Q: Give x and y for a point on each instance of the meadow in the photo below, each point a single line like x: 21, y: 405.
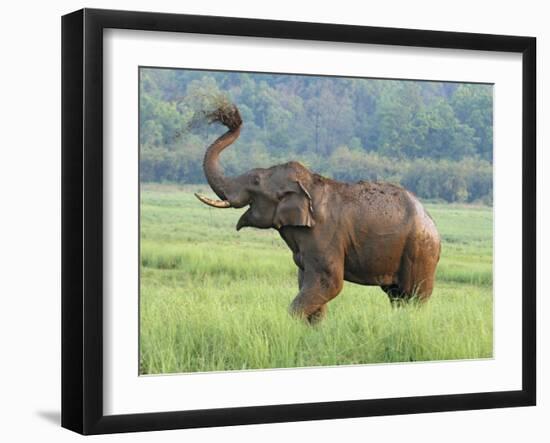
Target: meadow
x: 213, y: 299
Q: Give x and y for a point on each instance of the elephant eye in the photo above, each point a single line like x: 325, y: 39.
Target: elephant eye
x: 256, y: 180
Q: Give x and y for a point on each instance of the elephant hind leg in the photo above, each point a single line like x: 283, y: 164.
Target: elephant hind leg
x: 395, y: 294
x: 416, y: 283
x: 416, y: 279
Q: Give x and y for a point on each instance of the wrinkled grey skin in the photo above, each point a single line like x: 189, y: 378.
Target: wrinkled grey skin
x: 368, y: 233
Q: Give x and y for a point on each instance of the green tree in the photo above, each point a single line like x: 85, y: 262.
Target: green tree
x: 433, y: 137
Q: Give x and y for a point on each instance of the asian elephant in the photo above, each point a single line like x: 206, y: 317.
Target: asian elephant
x: 371, y: 233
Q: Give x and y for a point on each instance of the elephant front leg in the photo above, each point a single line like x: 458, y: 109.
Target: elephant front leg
x: 317, y: 288
x: 300, y: 278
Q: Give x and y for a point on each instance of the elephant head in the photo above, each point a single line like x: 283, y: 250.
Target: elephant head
x: 277, y: 196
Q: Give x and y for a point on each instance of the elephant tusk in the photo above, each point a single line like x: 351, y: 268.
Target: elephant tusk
x: 214, y: 203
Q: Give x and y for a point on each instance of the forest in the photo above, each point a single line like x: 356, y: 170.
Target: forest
x: 434, y: 138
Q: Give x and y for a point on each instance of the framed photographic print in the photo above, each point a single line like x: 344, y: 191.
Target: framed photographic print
x: 270, y: 221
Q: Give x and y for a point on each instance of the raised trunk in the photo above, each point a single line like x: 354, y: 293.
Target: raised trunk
x: 221, y: 185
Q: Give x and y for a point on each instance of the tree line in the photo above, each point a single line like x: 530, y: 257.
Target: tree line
x: 435, y: 138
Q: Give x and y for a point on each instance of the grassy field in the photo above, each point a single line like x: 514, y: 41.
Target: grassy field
x: 213, y: 299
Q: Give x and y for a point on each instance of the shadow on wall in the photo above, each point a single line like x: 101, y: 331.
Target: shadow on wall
x: 54, y: 417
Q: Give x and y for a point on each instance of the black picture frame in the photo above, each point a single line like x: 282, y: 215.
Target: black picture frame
x: 82, y: 218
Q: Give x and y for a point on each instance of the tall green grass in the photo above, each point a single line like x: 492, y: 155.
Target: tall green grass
x: 213, y: 299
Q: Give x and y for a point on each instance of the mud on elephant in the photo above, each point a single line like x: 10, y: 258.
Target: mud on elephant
x: 371, y: 233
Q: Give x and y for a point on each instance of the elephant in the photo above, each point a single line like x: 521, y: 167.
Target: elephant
x: 370, y: 233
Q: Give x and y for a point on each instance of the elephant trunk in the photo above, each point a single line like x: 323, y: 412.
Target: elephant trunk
x: 224, y: 187
x: 220, y: 184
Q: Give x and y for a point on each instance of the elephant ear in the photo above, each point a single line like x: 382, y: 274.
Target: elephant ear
x: 295, y: 208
